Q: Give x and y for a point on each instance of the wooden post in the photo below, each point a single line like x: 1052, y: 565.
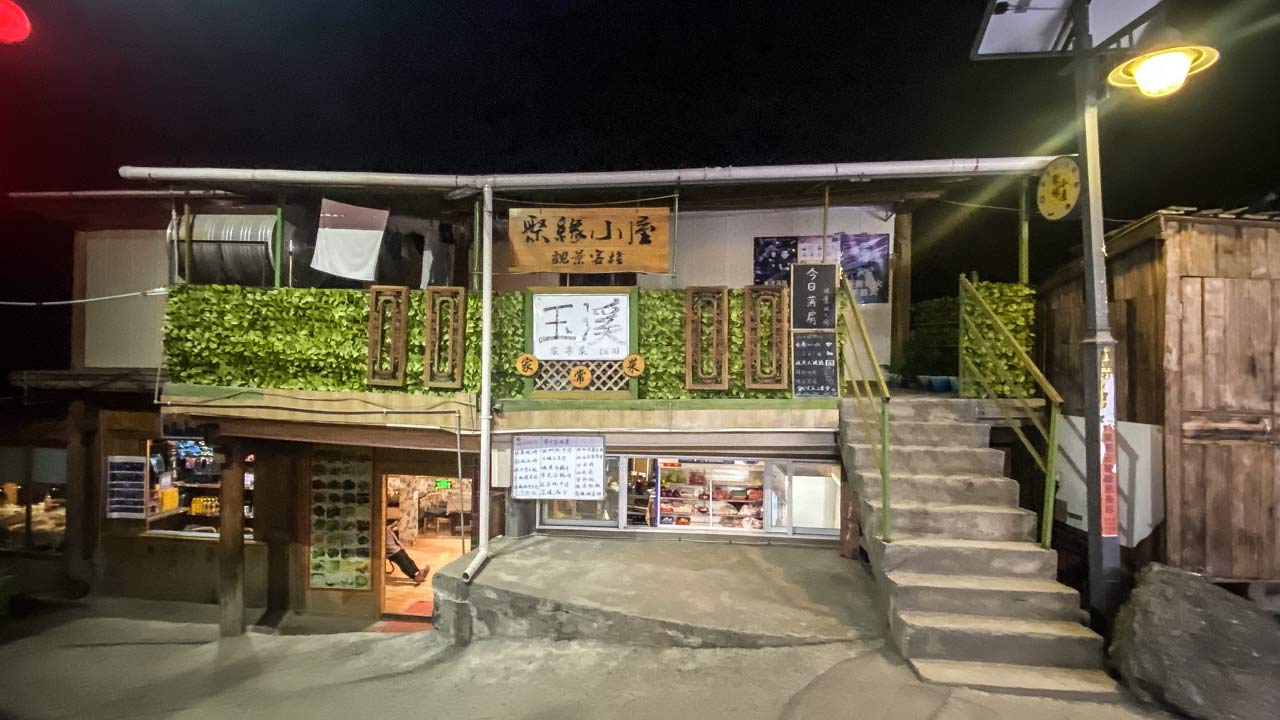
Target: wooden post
x: 77, y: 495
x: 900, y: 285
x: 231, y: 543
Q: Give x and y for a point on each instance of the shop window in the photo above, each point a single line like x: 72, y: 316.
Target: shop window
x: 589, y: 512
x: 33, y: 506
x: 183, y: 484
x: 736, y: 495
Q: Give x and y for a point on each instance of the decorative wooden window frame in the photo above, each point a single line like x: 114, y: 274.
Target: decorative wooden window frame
x: 699, y: 374
x: 387, y: 344
x: 758, y: 360
x: 444, y: 358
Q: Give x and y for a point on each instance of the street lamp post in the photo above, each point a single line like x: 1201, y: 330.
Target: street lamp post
x: 1098, y: 347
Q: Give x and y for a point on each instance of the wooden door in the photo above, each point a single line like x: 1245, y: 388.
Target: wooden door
x: 1223, y: 506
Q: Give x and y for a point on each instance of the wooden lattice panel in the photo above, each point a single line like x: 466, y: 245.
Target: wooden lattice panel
x: 446, y: 323
x: 388, y: 335
x: 706, y: 338
x: 765, y: 333
x: 606, y: 376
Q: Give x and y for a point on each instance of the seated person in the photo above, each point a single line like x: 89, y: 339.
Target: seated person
x: 397, y: 554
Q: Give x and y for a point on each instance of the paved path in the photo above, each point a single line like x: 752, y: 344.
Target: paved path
x: 119, y: 668
x: 712, y: 593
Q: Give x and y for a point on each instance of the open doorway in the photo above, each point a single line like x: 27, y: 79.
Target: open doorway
x: 429, y: 518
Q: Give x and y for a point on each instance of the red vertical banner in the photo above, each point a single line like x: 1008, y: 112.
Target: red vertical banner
x: 1110, y: 494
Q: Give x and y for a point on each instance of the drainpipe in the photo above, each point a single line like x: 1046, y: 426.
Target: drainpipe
x: 486, y: 386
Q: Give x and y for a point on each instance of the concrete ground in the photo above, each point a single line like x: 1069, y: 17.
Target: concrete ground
x: 128, y: 668
x: 702, y: 592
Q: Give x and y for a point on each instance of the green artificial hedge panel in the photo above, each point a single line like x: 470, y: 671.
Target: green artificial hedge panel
x: 312, y: 339
x: 1015, y: 305
x: 931, y: 345
x: 662, y: 345
x: 308, y: 339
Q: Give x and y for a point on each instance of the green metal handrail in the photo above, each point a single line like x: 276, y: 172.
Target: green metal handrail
x: 1048, y: 460
x: 863, y: 376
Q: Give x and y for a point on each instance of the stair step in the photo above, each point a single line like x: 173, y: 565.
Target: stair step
x: 929, y: 459
x: 961, y: 522
x: 931, y: 408
x: 940, y: 555
x: 1031, y: 598
x: 958, y: 489
x: 954, y: 433
x: 983, y: 638
x: 1079, y: 684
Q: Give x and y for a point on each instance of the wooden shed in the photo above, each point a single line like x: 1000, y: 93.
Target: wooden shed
x: 1195, y: 309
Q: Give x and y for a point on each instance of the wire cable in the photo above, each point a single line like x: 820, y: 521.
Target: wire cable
x: 1002, y: 208
x: 153, y: 292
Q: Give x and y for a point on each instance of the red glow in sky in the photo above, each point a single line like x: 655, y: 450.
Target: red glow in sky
x: 15, y: 26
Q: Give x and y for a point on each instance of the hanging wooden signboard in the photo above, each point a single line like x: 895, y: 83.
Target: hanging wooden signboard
x: 590, y: 240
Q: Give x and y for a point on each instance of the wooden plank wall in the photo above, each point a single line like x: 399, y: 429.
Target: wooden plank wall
x: 1136, y: 309
x: 1222, y: 367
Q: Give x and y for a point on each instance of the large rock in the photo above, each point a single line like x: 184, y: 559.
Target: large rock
x: 1197, y: 648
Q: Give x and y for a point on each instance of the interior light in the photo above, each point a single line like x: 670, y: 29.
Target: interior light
x: 1163, y: 71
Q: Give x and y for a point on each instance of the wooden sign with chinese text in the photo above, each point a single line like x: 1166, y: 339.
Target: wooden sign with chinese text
x: 590, y: 240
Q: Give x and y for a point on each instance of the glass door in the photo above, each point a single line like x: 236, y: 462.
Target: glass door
x: 777, y: 513
x: 815, y: 498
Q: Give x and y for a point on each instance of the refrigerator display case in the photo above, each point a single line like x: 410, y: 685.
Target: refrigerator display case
x: 724, y: 495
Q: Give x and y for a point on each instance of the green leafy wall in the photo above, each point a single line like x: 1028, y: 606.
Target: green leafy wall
x: 931, y: 345
x: 1015, y: 305
x: 317, y: 340
x: 662, y: 345
x: 311, y: 339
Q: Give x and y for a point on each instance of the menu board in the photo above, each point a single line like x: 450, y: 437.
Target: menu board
x: 341, y: 518
x: 545, y: 467
x: 813, y: 296
x: 813, y: 358
x: 581, y: 326
x: 126, y: 486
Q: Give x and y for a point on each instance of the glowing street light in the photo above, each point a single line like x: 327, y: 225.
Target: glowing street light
x: 15, y: 26
x: 1165, y: 69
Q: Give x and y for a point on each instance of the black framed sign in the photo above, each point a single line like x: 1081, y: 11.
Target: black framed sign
x: 813, y: 296
x: 813, y: 364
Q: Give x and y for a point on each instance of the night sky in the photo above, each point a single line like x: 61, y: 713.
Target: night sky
x: 557, y: 85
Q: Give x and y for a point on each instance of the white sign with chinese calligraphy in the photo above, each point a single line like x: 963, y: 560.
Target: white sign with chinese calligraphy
x: 590, y: 240
x: 545, y: 467
x: 577, y: 326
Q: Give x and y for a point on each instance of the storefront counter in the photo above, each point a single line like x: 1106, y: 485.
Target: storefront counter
x: 169, y: 565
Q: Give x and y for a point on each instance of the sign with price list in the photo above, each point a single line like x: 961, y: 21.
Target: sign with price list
x: 548, y: 467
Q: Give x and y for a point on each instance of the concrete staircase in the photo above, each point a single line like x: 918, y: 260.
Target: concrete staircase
x: 971, y: 596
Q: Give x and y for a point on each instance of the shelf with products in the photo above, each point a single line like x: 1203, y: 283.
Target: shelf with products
x: 184, y: 486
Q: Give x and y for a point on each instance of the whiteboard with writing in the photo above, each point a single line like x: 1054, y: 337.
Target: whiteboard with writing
x: 546, y: 467
x: 581, y: 326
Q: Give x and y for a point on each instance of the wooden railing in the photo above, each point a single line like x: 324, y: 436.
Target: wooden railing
x: 862, y: 379
x: 995, y: 371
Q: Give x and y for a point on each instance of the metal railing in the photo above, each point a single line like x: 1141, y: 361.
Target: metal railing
x: 973, y: 305
x: 862, y: 378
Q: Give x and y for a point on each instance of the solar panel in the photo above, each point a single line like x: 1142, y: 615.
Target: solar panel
x: 1021, y: 28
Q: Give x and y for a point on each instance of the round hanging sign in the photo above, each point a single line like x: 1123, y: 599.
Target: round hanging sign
x: 526, y: 365
x: 1058, y: 189
x: 580, y: 376
x: 633, y: 365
